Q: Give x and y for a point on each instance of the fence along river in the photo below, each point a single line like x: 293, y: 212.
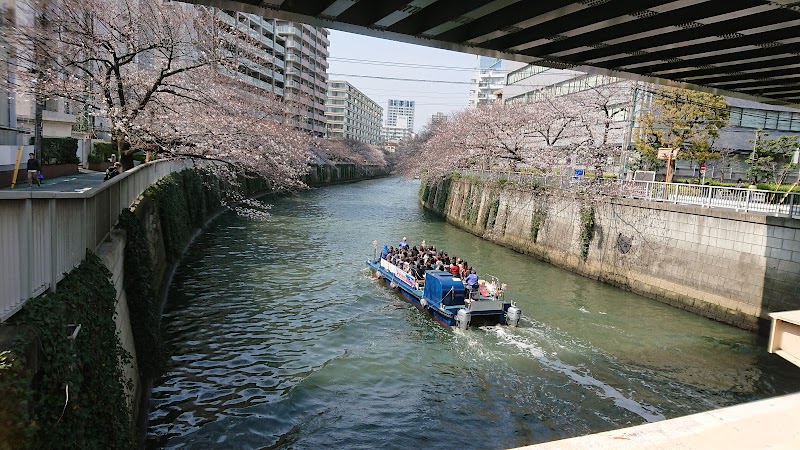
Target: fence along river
x: 281, y: 339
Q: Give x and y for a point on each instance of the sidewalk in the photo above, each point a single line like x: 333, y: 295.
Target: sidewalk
x: 764, y: 424
x: 82, y: 182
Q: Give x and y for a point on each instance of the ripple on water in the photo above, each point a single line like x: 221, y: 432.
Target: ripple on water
x: 280, y: 339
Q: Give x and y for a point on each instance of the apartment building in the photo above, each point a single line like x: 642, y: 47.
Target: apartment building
x: 18, y: 110
x: 438, y: 117
x: 260, y: 51
x: 306, y: 72
x: 400, y: 113
x: 350, y: 114
x: 489, y: 79
x: 747, y: 118
x: 287, y: 59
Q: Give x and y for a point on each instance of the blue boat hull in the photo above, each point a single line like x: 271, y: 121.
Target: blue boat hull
x: 410, y: 295
x: 445, y: 316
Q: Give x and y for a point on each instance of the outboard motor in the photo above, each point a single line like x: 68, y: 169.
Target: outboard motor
x: 512, y: 316
x: 462, y: 318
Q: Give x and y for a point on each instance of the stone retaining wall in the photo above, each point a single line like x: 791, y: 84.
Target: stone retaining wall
x: 730, y: 266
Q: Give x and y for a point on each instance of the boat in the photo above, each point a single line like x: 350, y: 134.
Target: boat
x: 446, y: 298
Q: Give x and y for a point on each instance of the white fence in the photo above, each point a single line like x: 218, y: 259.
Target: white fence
x: 741, y: 199
x: 44, y: 235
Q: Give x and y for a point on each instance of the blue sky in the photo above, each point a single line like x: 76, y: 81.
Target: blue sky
x: 429, y: 97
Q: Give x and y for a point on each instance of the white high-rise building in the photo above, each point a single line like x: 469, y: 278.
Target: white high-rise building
x: 400, y: 113
x: 306, y: 71
x: 489, y: 79
x: 287, y: 59
x: 399, y: 120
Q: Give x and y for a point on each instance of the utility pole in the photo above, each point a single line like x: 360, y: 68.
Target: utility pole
x: 753, y: 155
x: 38, y: 122
x: 626, y: 143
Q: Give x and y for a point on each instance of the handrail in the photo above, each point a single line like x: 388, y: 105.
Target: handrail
x: 45, y: 234
x: 778, y: 203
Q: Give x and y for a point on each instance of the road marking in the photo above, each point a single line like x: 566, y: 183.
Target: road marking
x: 83, y: 190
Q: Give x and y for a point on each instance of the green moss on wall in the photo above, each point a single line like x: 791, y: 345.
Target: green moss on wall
x: 587, y: 229
x: 143, y: 303
x: 537, y: 221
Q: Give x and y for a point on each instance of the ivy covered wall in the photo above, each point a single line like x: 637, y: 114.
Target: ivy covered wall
x: 77, y: 397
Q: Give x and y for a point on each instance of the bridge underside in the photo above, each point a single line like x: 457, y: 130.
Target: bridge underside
x: 743, y: 48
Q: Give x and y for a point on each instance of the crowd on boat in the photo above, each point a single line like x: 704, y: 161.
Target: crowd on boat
x: 418, y: 259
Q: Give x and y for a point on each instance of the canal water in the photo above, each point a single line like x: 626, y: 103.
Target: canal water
x: 281, y: 339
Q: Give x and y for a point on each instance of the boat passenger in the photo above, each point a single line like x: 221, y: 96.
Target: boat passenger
x: 454, y: 270
x: 403, y: 244
x: 472, y: 281
x: 414, y: 272
x: 422, y: 245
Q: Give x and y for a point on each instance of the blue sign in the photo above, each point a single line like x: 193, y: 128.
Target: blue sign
x: 578, y: 173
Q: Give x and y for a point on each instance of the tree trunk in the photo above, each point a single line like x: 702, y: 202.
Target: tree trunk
x: 124, y: 153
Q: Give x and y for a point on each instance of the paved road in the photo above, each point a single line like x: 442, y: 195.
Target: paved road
x: 81, y: 182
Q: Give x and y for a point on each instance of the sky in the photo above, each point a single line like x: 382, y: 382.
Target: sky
x: 362, y: 55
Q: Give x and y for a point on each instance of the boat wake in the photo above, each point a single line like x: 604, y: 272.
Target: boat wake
x: 603, y: 390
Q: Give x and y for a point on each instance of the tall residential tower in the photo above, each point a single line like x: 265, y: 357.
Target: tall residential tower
x: 399, y: 120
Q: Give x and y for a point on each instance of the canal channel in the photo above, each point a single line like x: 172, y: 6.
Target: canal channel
x: 280, y: 338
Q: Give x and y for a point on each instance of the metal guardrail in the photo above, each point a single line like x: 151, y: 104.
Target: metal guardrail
x: 778, y: 203
x: 44, y: 235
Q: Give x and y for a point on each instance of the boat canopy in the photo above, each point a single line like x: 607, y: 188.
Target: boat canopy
x: 443, y: 286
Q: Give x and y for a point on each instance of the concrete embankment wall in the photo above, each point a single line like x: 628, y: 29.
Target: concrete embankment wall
x: 343, y: 173
x: 163, y: 261
x: 730, y: 266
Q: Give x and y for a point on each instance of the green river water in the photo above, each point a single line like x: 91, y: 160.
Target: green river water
x: 280, y: 338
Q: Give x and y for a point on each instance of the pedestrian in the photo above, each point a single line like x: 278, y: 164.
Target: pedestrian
x: 739, y: 183
x: 34, y: 169
x: 113, y: 171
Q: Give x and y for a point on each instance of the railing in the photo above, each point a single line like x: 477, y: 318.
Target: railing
x: 44, y: 234
x: 776, y: 203
x: 741, y: 199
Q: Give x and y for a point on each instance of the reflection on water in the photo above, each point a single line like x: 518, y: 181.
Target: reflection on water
x: 281, y: 339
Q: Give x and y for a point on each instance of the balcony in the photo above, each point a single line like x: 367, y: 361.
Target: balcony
x: 285, y: 29
x: 224, y: 17
x: 265, y: 24
x: 57, y: 116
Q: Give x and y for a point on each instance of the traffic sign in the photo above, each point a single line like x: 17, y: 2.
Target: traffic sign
x: 666, y: 154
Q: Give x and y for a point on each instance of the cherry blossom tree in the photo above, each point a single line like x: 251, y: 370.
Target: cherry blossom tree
x: 165, y: 78
x: 231, y: 122
x: 118, y: 56
x: 540, y: 136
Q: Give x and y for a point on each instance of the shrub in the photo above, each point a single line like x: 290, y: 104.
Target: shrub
x: 101, y: 152
x: 60, y: 151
